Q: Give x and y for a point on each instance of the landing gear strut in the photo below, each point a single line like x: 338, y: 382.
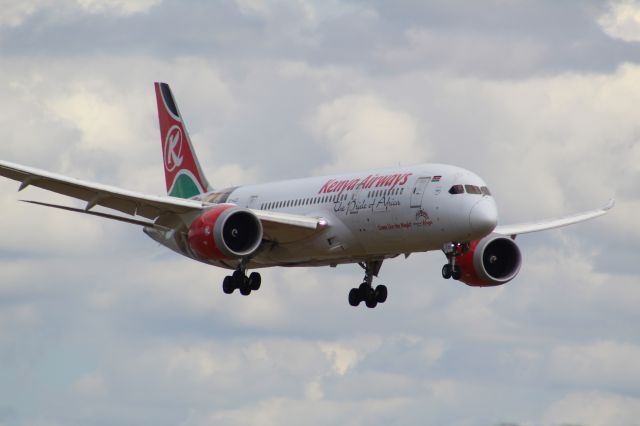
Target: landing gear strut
x: 365, y: 292
x: 452, y: 251
x: 239, y: 280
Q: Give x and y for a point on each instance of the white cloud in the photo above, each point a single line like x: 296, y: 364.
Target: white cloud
x: 361, y: 131
x: 117, y: 7
x: 622, y: 20
x: 594, y: 409
x: 254, y: 7
x: 343, y: 358
x: 602, y: 363
x: 14, y: 13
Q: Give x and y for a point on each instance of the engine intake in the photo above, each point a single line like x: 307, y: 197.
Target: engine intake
x: 491, y: 261
x: 225, y: 232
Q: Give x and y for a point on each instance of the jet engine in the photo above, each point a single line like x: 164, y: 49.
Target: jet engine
x: 225, y: 232
x: 491, y: 261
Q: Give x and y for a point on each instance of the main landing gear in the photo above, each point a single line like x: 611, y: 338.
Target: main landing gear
x: 452, y: 251
x: 239, y: 280
x: 365, y: 292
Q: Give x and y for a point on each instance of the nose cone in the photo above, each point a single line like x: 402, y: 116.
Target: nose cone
x: 483, y: 217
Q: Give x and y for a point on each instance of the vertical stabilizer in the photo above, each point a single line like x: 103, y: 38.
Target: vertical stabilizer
x: 182, y: 171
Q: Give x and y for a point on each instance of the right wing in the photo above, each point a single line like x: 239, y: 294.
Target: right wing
x: 524, y: 228
x: 281, y: 227
x: 129, y: 202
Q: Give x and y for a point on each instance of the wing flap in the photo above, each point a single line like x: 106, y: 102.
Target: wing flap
x: 524, y: 228
x: 129, y: 202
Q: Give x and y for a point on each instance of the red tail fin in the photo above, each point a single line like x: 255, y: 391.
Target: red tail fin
x: 182, y: 171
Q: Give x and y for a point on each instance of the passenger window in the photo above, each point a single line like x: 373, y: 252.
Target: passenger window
x: 456, y: 189
x: 472, y: 189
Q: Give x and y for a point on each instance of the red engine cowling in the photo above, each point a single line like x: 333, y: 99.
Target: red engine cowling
x: 225, y: 232
x: 493, y: 260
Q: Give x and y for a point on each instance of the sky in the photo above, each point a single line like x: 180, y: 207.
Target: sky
x: 99, y: 325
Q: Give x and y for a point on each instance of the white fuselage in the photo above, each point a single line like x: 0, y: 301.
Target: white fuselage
x: 375, y: 214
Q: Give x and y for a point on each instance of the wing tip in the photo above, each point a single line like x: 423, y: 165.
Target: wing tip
x: 610, y: 204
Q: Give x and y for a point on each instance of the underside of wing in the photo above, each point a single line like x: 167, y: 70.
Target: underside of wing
x: 129, y: 202
x: 283, y: 227
x: 524, y: 228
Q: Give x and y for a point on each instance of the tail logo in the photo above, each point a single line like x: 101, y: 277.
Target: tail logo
x: 173, y: 148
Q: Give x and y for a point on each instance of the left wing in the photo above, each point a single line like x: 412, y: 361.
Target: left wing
x: 524, y: 228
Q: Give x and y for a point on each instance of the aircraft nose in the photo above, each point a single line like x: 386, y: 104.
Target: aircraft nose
x: 483, y: 217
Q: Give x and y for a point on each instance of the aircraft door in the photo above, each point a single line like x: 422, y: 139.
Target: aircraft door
x: 418, y: 191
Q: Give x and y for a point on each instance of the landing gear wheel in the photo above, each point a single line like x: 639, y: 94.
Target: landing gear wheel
x: 254, y: 281
x: 381, y: 293
x: 456, y: 274
x: 371, y: 301
x: 228, y: 285
x: 365, y: 291
x: 238, y: 277
x: 354, y: 297
x: 447, y: 271
x: 245, y: 288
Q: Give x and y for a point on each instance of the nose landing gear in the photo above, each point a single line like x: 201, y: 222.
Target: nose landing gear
x: 366, y: 292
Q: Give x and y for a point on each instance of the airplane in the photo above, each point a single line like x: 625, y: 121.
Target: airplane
x: 359, y: 218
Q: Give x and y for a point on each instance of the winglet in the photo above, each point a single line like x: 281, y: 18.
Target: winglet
x: 610, y: 205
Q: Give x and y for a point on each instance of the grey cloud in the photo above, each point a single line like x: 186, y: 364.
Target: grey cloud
x: 494, y: 39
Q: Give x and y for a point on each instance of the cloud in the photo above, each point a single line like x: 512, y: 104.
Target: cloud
x: 594, y: 408
x: 15, y: 13
x: 622, y: 20
x: 532, y: 96
x: 602, y: 363
x: 117, y: 7
x: 361, y: 131
x: 464, y: 53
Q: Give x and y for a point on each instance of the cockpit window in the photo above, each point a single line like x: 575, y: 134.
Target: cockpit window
x: 472, y: 189
x: 485, y: 191
x: 456, y: 189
